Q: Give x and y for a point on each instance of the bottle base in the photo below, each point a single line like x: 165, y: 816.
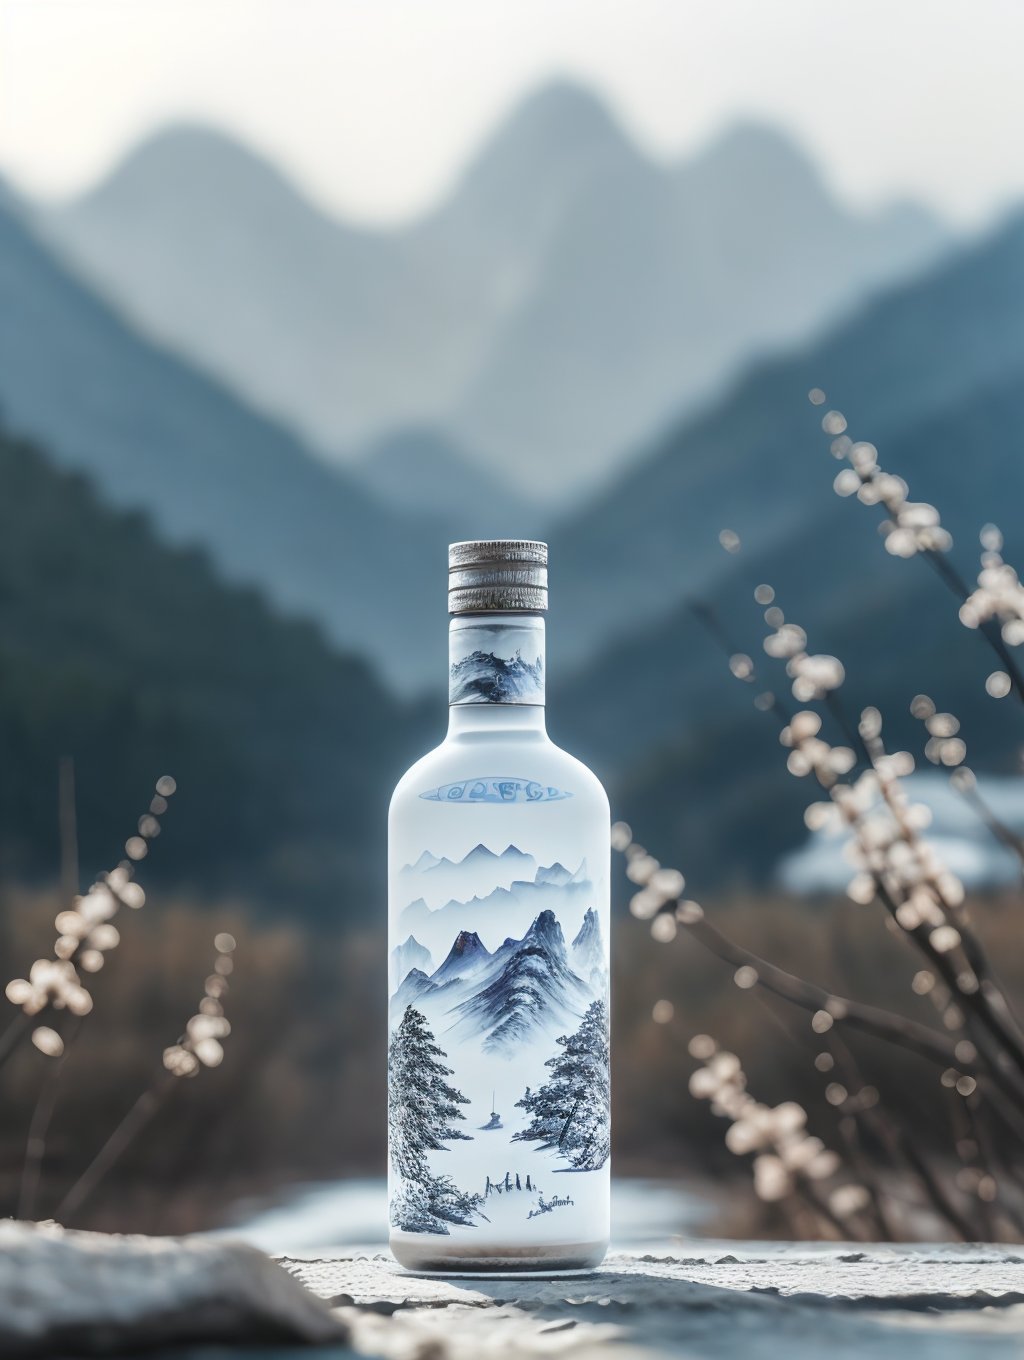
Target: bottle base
x: 451, y: 1258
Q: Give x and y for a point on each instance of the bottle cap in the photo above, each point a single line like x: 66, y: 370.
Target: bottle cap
x: 497, y: 575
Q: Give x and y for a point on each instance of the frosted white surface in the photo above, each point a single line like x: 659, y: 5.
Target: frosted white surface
x: 718, y: 1300
x: 64, y: 1293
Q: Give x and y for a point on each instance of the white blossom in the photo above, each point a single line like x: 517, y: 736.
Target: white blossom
x: 85, y: 933
x: 912, y: 526
x: 201, y: 1045
x: 848, y: 1199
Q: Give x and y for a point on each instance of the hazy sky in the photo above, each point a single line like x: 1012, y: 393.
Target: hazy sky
x: 374, y: 104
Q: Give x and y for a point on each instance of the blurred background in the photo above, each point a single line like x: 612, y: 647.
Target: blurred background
x: 292, y: 296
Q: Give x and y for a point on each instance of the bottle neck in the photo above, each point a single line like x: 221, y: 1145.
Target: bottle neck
x: 496, y: 665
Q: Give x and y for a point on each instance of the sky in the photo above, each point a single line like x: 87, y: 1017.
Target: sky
x: 373, y: 105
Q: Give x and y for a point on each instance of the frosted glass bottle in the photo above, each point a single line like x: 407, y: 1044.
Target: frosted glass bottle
x: 498, y: 1073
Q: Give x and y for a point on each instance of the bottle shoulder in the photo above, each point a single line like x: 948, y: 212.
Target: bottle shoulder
x: 536, y: 758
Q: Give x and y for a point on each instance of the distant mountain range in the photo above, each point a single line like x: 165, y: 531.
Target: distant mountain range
x: 567, y: 297
x: 438, y: 879
x: 934, y: 375
x: 496, y: 908
x: 526, y: 988
x: 422, y: 472
x: 756, y: 461
x: 930, y: 370
x: 157, y: 434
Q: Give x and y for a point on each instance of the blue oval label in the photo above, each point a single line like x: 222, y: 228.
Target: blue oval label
x: 495, y: 790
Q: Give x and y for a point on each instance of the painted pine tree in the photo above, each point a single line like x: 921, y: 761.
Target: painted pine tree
x: 422, y: 1108
x: 571, y: 1111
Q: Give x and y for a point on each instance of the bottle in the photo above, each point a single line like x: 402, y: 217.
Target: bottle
x: 498, y: 850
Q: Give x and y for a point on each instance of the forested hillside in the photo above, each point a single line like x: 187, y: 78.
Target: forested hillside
x: 136, y: 660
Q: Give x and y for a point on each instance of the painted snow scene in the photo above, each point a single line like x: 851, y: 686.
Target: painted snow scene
x: 496, y: 665
x: 498, y: 1057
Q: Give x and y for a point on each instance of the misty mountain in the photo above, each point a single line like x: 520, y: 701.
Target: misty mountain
x: 468, y: 966
x: 341, y: 331
x: 566, y: 297
x: 512, y: 197
x: 526, y: 987
x: 756, y: 461
x: 408, y: 955
x: 157, y: 434
x: 465, y: 958
x: 588, y: 956
x: 933, y: 374
x: 414, y: 989
x: 558, y: 874
x: 135, y: 660
x: 422, y: 472
x: 535, y: 994
x: 657, y: 284
x: 425, y: 861
x: 478, y: 872
x: 502, y: 910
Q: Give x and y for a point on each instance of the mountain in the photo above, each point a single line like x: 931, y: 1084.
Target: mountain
x: 565, y: 297
x: 156, y: 434
x: 699, y: 773
x: 755, y: 461
x: 554, y: 873
x: 466, y: 957
x: 347, y: 333
x: 409, y: 955
x: 536, y: 993
x: 480, y: 871
x: 425, y: 861
x: 343, y: 332
x: 588, y: 956
x: 415, y: 988
x: 482, y: 856
x: 516, y: 189
x: 501, y: 909
x: 135, y: 660
x: 659, y: 282
x: 421, y: 471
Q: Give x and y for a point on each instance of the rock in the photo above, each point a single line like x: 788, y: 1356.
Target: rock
x: 80, y: 1292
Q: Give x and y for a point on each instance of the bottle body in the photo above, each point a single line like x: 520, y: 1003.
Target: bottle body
x: 498, y: 1001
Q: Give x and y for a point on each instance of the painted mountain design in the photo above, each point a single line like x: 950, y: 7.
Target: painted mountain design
x: 483, y: 678
x: 433, y: 998
x: 426, y: 861
x: 480, y: 854
x: 408, y: 955
x: 511, y: 908
x: 533, y: 993
x: 558, y: 874
x: 415, y: 986
x: 588, y: 953
x: 438, y: 879
x: 466, y: 957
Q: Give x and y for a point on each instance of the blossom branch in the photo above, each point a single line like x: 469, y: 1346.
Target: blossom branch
x: 200, y: 1046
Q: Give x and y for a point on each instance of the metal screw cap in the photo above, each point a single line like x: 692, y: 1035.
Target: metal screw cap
x: 497, y: 575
